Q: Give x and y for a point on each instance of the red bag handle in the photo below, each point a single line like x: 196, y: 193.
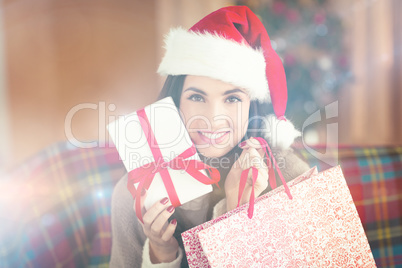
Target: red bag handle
x: 271, y: 178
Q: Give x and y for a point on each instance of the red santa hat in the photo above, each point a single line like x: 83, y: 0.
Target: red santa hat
x: 232, y: 45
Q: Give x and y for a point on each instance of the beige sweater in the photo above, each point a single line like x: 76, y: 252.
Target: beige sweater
x: 130, y: 247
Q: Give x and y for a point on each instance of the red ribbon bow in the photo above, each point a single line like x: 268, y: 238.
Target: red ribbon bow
x: 144, y: 175
x: 271, y: 178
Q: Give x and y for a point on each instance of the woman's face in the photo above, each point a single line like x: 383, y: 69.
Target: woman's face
x: 215, y: 114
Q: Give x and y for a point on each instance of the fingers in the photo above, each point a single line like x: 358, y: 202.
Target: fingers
x: 160, y: 221
x: 167, y: 235
x: 251, y: 142
x: 251, y: 157
x: 150, y: 216
x: 156, y: 220
x: 157, y: 228
x: 258, y: 160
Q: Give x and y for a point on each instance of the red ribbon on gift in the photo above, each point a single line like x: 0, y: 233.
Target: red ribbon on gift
x: 144, y: 175
x: 271, y: 178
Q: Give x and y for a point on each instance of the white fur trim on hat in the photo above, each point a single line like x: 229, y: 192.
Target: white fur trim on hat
x: 211, y: 55
x: 279, y: 133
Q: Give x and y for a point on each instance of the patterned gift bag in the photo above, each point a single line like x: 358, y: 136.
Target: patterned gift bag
x: 194, y: 253
x: 319, y: 227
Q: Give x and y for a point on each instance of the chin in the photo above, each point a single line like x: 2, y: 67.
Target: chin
x: 213, y: 152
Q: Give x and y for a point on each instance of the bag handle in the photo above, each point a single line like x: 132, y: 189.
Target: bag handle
x: 271, y: 178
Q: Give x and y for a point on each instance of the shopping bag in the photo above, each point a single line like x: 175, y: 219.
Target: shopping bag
x: 319, y: 227
x: 193, y: 249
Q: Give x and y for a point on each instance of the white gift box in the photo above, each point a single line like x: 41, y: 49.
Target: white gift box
x: 172, y: 140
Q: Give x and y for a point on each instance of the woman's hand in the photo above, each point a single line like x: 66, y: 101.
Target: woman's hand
x: 252, y: 155
x: 163, y: 246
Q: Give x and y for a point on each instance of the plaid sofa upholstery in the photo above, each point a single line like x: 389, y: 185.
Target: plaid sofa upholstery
x: 55, y: 208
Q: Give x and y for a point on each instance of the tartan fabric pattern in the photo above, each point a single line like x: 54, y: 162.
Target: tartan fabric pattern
x: 55, y: 208
x: 374, y: 177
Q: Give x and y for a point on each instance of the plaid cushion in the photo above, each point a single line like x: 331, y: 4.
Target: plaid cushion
x: 55, y: 208
x: 374, y: 177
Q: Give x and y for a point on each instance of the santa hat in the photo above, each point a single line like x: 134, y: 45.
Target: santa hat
x: 232, y: 45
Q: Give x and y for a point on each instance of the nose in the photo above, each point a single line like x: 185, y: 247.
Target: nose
x: 216, y: 109
x: 218, y: 115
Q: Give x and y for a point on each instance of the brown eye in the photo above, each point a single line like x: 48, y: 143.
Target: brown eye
x: 196, y: 98
x: 233, y: 99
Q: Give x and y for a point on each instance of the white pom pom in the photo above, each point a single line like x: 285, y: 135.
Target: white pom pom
x: 279, y: 133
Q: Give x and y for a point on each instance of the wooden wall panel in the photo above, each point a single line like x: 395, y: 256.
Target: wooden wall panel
x: 60, y: 54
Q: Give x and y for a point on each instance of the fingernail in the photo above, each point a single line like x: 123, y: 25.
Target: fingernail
x: 170, y: 209
x: 242, y: 144
x: 174, y: 222
x: 164, y: 201
x: 143, y: 191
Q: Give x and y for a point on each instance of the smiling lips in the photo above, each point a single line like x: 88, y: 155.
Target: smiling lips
x: 213, y: 137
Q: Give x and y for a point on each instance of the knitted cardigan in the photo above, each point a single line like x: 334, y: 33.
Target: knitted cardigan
x: 130, y: 247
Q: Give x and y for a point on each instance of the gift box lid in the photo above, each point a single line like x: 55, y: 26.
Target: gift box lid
x: 170, y: 133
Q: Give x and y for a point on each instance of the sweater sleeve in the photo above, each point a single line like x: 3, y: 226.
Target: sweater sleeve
x: 290, y: 166
x: 127, y: 236
x: 128, y: 239
x: 146, y: 259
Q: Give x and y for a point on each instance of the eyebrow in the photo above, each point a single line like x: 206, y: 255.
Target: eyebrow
x: 227, y: 92
x: 233, y: 91
x: 196, y: 90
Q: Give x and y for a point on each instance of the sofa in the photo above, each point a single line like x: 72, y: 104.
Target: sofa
x: 55, y: 206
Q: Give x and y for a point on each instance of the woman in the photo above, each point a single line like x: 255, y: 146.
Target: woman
x: 226, y: 80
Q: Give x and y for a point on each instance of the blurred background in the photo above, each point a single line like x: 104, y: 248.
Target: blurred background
x: 79, y: 64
